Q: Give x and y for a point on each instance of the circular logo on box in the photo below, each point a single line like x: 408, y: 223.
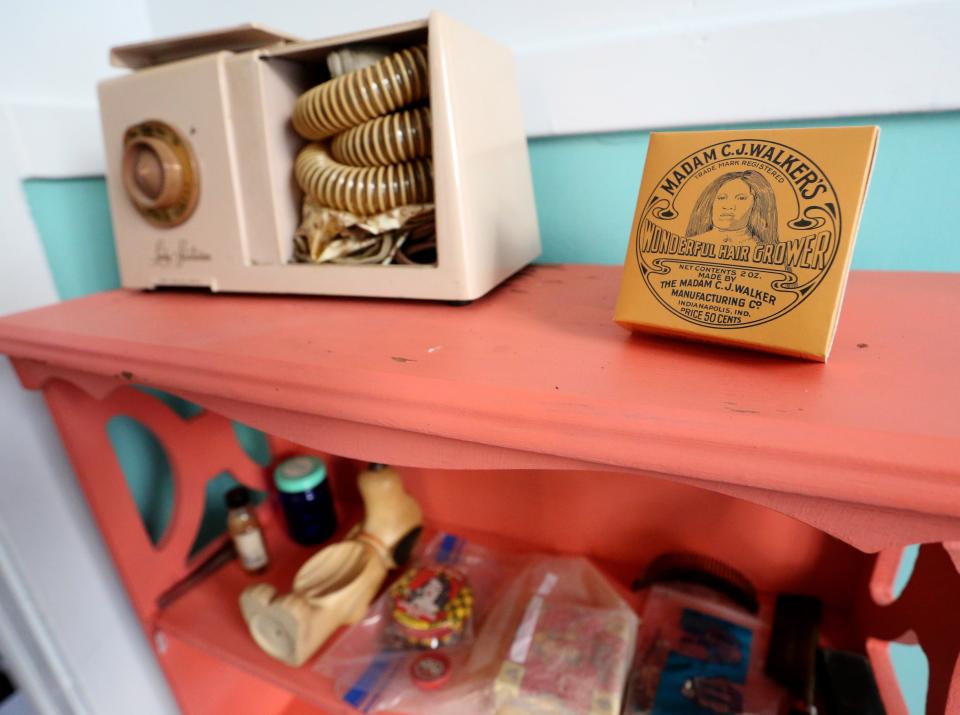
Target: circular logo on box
x: 738, y: 233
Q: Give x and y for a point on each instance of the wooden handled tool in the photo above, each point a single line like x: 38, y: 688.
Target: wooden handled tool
x: 336, y: 585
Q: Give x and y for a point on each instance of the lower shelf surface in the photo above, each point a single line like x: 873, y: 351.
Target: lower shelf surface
x: 207, y: 618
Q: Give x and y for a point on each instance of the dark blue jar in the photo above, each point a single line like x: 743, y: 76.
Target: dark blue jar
x: 306, y: 499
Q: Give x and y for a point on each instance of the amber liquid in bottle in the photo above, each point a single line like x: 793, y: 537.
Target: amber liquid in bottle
x: 244, y: 528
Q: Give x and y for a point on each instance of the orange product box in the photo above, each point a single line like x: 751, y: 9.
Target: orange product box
x: 745, y: 237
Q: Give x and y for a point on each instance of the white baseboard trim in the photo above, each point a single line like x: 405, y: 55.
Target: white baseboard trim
x: 762, y: 62
x: 876, y: 58
x: 55, y: 141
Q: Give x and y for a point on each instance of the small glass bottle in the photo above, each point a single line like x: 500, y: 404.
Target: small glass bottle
x: 244, y: 529
x: 306, y: 499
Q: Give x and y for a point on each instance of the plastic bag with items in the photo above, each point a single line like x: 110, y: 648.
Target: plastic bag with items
x: 410, y: 649
x: 699, y: 654
x: 544, y: 635
x: 565, y: 640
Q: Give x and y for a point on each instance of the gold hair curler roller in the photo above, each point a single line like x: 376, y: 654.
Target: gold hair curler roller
x: 338, y: 104
x: 362, y: 190
x: 397, y: 137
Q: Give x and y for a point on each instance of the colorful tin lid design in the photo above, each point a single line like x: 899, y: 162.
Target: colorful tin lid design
x: 430, y: 606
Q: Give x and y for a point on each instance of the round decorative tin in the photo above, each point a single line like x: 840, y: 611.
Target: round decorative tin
x: 430, y: 671
x: 430, y: 607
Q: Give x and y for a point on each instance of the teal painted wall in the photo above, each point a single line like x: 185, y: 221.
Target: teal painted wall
x: 73, y: 220
x: 586, y: 188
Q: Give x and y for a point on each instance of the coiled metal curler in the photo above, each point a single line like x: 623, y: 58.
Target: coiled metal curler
x: 397, y: 137
x: 364, y: 191
x: 338, y: 104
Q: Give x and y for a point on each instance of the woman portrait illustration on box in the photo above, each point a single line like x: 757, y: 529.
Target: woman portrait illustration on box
x: 736, y: 209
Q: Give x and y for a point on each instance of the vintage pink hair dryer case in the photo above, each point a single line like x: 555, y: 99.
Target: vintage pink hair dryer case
x: 212, y: 112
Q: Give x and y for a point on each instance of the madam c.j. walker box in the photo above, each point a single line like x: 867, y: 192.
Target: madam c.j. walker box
x: 745, y: 237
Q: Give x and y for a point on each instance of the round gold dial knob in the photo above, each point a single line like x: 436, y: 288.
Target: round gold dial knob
x: 160, y: 173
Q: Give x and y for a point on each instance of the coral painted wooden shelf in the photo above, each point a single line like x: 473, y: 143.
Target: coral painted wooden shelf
x: 528, y: 414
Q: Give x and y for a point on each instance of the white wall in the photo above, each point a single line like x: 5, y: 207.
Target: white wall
x: 54, y: 53
x: 54, y: 50
x: 601, y: 65
x: 596, y: 66
x: 66, y: 627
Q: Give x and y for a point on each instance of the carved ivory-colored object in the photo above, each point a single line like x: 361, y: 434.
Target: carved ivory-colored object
x: 336, y: 585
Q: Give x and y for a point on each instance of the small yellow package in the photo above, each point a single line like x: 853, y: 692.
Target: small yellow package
x: 745, y: 237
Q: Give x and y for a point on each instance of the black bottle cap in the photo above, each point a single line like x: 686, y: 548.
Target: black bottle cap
x: 704, y: 571
x: 238, y: 497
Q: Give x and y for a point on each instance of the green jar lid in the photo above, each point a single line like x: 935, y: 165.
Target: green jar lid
x: 299, y: 474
